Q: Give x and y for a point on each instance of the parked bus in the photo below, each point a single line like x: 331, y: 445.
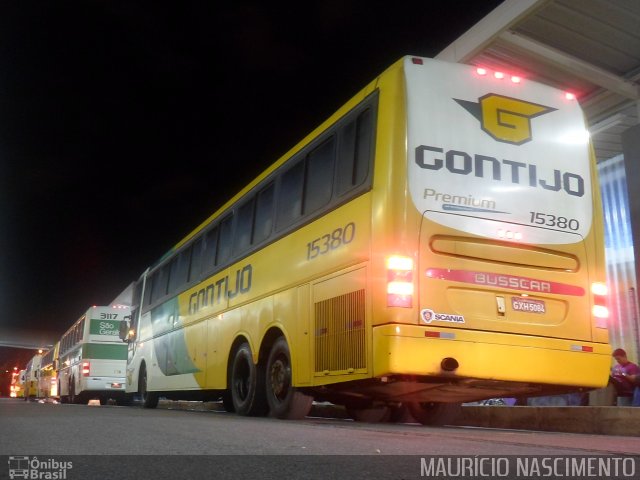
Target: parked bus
x: 31, y: 376
x: 16, y: 388
x: 92, y: 358
x: 48, y: 378
x: 437, y: 240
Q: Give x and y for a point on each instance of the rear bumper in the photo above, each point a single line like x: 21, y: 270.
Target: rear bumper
x: 111, y: 384
x: 496, y: 357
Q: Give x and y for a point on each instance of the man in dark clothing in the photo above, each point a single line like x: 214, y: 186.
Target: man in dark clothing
x: 625, y: 376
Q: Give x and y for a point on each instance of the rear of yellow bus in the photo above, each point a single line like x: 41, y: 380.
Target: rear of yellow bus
x: 498, y: 286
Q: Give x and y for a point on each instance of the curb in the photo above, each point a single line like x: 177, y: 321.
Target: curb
x: 623, y: 421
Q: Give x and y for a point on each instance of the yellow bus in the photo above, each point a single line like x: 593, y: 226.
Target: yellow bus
x: 437, y: 240
x: 16, y: 388
x: 31, y: 376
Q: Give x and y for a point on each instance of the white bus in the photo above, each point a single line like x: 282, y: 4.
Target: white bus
x: 92, y: 358
x: 48, y: 376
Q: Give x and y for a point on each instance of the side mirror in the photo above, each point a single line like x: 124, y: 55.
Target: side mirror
x: 123, y: 331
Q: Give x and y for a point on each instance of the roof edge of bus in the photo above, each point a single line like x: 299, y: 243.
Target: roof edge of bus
x: 335, y: 116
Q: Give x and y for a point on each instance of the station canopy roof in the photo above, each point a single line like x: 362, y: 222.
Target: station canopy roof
x: 587, y: 47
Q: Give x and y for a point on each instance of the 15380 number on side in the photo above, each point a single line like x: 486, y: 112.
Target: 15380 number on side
x: 331, y: 241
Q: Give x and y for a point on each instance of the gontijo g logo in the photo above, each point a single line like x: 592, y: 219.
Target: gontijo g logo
x: 506, y: 119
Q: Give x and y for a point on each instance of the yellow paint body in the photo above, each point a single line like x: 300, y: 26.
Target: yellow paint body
x: 333, y: 312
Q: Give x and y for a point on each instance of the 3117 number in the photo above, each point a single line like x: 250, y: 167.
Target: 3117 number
x: 330, y: 241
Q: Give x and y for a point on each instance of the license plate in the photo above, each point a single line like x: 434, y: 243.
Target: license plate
x: 528, y: 305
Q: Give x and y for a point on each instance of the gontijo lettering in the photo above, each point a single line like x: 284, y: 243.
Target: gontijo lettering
x: 459, y: 162
x: 221, y: 289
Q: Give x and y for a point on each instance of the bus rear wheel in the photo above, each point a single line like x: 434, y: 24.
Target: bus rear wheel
x: 284, y: 400
x: 434, y: 413
x: 63, y: 398
x: 72, y: 392
x: 148, y: 399
x: 247, y: 384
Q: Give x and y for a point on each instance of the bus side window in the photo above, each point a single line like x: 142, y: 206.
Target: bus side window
x: 354, y: 157
x: 194, y: 264
x: 148, y: 291
x: 210, y: 249
x: 263, y: 223
x: 159, y: 285
x: 244, y: 225
x: 164, y: 279
x: 319, y: 176
x: 179, y: 271
x: 290, y: 195
x: 174, y: 278
x: 225, y: 242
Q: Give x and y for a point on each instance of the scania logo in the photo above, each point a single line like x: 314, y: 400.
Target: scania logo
x: 506, y: 119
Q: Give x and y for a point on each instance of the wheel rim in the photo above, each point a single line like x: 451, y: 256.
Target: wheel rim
x: 280, y: 378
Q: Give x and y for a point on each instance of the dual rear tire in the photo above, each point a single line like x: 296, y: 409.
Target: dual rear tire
x: 258, y: 389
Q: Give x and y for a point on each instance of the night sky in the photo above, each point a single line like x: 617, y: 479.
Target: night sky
x: 124, y: 124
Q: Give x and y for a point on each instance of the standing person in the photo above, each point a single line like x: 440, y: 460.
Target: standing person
x: 625, y: 376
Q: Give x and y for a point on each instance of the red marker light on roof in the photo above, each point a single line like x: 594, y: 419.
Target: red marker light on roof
x: 416, y: 61
x: 498, y: 75
x: 516, y: 79
x: 481, y: 71
x: 570, y: 96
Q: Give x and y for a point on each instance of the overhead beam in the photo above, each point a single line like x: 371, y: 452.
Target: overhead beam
x: 607, y: 123
x: 572, y: 65
x: 26, y: 346
x: 474, y: 40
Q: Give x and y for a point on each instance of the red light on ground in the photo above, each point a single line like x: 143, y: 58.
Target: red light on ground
x: 481, y: 71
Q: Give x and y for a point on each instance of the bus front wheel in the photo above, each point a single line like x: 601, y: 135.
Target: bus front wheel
x: 149, y: 399
x: 434, y: 413
x: 247, y: 384
x: 284, y: 400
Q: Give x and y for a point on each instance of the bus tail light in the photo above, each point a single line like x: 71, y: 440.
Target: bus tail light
x: 400, y: 281
x: 86, y: 369
x: 599, y: 310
